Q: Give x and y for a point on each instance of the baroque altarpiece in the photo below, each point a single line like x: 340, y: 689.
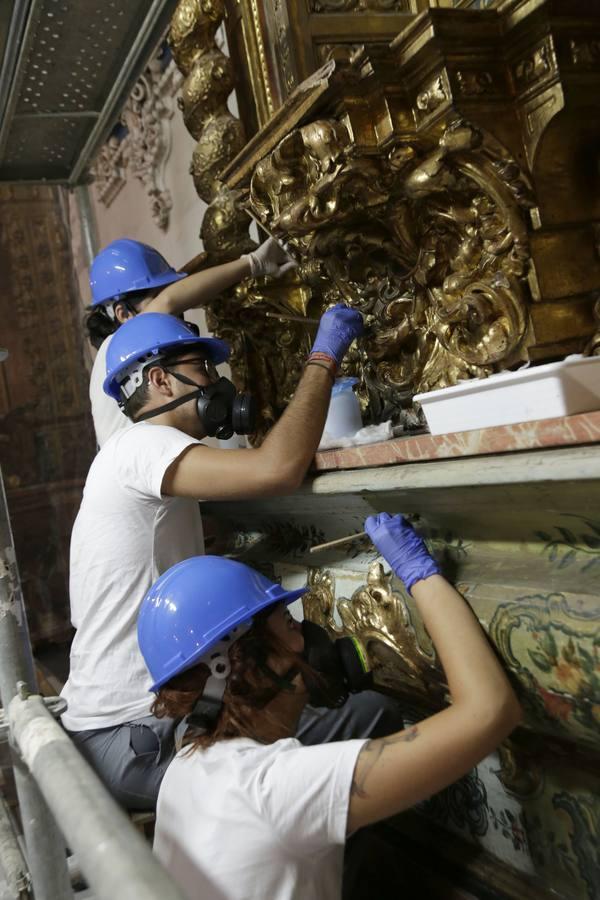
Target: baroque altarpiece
x: 437, y: 169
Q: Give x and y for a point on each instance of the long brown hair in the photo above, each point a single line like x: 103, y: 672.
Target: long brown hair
x: 251, y: 686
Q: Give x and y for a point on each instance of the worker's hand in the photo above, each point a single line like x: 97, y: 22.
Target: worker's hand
x: 269, y: 259
x: 337, y: 329
x: 401, y: 546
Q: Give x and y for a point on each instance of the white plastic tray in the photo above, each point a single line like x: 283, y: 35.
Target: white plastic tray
x: 540, y: 392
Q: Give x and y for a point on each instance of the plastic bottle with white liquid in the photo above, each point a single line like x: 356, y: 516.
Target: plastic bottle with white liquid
x: 343, y: 418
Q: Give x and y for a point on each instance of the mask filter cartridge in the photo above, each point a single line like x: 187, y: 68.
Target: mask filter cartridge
x: 341, y: 664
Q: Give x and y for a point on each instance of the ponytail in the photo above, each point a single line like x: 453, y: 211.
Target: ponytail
x: 99, y: 325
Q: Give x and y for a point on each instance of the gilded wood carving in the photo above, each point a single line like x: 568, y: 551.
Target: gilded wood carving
x: 411, y: 181
x: 379, y: 619
x: 418, y: 186
x: 431, y: 246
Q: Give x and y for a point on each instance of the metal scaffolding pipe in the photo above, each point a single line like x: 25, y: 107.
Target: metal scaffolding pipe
x: 46, y: 851
x: 89, y: 232
x: 114, y: 858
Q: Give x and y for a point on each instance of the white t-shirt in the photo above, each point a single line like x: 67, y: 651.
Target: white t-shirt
x: 125, y: 535
x: 245, y: 821
x: 106, y: 412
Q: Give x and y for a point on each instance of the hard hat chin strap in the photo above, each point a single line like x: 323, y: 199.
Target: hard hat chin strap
x: 208, y: 708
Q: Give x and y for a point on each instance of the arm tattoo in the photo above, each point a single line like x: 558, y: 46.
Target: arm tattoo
x: 370, y: 755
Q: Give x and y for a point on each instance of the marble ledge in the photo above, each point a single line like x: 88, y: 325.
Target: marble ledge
x: 566, y: 431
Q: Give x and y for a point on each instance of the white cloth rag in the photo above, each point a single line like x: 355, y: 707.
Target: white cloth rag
x: 370, y: 434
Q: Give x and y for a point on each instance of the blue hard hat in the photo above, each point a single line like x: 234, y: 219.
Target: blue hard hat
x: 196, y: 603
x: 152, y: 334
x: 126, y: 266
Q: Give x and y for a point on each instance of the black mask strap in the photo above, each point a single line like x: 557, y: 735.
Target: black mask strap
x: 172, y: 405
x: 182, y: 378
x: 283, y: 682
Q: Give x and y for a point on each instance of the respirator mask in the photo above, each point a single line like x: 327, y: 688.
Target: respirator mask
x: 222, y: 410
x: 341, y: 663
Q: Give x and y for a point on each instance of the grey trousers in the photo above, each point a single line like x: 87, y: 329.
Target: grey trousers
x: 131, y: 759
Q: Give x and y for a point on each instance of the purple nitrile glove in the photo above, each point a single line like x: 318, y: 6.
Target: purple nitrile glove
x: 337, y: 329
x: 401, y: 546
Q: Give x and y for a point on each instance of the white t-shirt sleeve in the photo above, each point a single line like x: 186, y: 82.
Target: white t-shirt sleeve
x: 106, y: 412
x: 144, y: 452
x: 304, y: 792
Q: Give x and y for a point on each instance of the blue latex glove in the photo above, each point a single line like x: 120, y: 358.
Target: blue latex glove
x: 401, y: 546
x: 337, y: 329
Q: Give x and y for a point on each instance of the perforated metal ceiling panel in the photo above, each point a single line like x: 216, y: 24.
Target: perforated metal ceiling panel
x: 67, y: 68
